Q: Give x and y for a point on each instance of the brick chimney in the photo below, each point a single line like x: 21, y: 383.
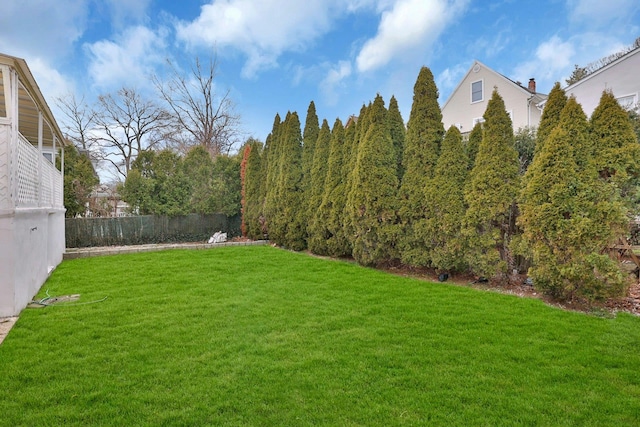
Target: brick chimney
x: 532, y: 85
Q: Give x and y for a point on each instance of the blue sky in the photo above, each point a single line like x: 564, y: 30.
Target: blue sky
x: 278, y: 55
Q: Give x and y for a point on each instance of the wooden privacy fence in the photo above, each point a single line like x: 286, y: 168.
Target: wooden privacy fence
x: 146, y: 229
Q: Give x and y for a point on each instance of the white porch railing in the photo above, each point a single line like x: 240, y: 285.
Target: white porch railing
x: 34, y: 189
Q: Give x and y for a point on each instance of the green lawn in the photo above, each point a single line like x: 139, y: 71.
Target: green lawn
x: 260, y: 336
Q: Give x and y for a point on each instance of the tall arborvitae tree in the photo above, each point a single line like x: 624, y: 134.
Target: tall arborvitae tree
x: 254, y: 221
x: 556, y: 101
x: 424, y: 136
x: 446, y: 208
x: 616, y: 149
x: 317, y: 237
x: 373, y: 200
x: 243, y: 201
x: 473, y: 143
x: 339, y: 243
x: 398, y: 132
x: 309, y: 138
x: 570, y: 216
x: 334, y: 198
x: 289, y: 213
x: 351, y: 159
x: 491, y: 194
x: 576, y: 125
x: 270, y: 173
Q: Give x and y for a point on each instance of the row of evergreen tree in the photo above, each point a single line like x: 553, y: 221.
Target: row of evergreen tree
x: 382, y: 192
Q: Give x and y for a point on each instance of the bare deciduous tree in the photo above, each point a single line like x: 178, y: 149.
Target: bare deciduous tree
x: 127, y: 124
x: 78, y: 122
x: 201, y: 116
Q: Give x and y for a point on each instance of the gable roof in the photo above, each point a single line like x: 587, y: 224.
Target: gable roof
x: 506, y: 79
x: 603, y: 69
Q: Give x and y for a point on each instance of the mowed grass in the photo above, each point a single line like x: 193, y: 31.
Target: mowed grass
x: 261, y: 336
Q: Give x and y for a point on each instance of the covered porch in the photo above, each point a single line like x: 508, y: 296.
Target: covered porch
x: 31, y: 187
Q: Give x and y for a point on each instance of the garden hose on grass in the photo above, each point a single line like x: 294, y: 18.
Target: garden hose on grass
x: 60, y: 301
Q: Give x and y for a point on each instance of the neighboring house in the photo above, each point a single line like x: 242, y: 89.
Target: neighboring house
x: 106, y: 202
x: 622, y: 77
x: 467, y: 103
x: 32, y: 239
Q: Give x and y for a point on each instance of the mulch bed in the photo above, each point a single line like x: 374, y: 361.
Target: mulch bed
x: 629, y: 303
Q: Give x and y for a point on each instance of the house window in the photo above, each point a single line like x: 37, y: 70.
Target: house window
x: 628, y: 102
x: 48, y: 156
x: 476, y: 91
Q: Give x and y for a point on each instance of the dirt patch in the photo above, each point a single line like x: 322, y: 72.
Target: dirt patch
x: 630, y: 303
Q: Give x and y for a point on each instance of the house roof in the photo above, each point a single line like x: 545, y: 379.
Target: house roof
x: 536, y: 95
x: 603, y: 69
x: 30, y: 103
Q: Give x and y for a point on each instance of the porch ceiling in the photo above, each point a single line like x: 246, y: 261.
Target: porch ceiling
x: 30, y: 104
x: 28, y: 120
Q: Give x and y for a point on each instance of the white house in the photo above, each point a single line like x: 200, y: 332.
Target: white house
x: 32, y: 210
x: 468, y: 101
x: 621, y: 77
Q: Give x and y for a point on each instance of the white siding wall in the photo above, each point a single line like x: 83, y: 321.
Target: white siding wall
x: 460, y: 110
x: 622, y: 78
x: 32, y: 245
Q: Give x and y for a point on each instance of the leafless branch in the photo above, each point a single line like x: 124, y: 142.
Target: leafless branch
x: 200, y: 115
x: 78, y: 122
x: 126, y: 124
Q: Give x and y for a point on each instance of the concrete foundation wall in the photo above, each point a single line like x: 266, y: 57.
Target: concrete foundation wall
x: 32, y: 246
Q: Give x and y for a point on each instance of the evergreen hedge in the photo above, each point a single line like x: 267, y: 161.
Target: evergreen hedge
x: 454, y: 205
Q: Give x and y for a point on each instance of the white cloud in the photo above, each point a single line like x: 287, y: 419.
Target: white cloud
x: 127, y: 11
x: 52, y: 84
x: 555, y: 58
x: 265, y: 30
x: 555, y: 53
x: 333, y: 80
x: 492, y: 45
x: 127, y: 61
x: 43, y: 33
x: 41, y: 28
x: 552, y: 58
x: 599, y: 13
x: 408, y: 25
x: 261, y: 30
x: 356, y: 5
x: 449, y: 78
